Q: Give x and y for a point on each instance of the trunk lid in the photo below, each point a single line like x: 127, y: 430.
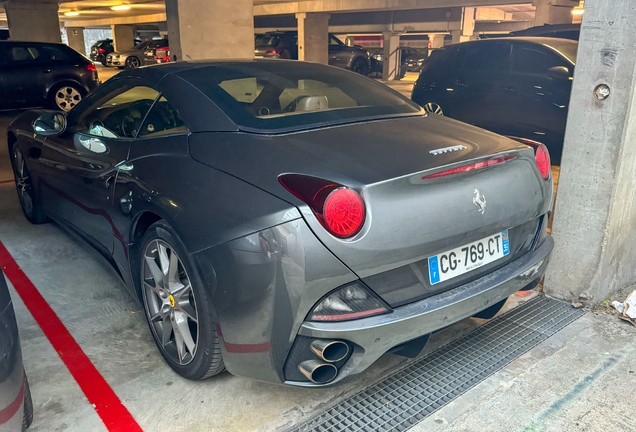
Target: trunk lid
x: 408, y: 219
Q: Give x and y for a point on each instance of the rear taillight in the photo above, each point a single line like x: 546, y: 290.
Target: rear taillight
x: 470, y: 167
x: 91, y: 67
x: 339, y: 209
x: 541, y: 156
x: 349, y: 302
x: 101, y: 50
x: 273, y: 52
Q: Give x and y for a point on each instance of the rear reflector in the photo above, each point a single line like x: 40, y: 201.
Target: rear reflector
x: 339, y: 209
x: 349, y: 302
x: 470, y: 167
x: 541, y: 155
x: 91, y: 67
x: 274, y: 52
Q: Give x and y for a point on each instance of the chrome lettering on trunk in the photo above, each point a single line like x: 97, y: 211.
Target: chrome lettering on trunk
x: 448, y: 150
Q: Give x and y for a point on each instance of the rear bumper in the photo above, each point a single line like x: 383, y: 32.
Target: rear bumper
x: 374, y: 336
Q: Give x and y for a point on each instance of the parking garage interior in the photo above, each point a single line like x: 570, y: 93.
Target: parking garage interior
x: 92, y: 363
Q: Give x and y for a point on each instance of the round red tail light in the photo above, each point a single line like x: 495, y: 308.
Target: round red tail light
x: 344, y: 212
x: 542, y: 157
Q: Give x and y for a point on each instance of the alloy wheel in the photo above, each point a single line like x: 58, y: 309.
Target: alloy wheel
x: 67, y: 97
x: 132, y: 62
x: 433, y: 108
x: 23, y: 182
x: 169, y: 302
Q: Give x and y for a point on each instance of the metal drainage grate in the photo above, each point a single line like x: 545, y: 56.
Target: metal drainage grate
x: 422, y: 387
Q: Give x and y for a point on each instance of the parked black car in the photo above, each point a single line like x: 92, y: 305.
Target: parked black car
x: 150, y: 50
x: 562, y: 31
x: 411, y: 60
x: 284, y: 45
x: 34, y: 74
x: 16, y: 406
x: 513, y: 86
x: 100, y: 49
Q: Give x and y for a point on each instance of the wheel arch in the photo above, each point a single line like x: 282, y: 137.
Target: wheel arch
x: 140, y: 225
x: 11, y: 140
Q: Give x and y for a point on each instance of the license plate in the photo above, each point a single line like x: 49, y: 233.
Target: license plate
x: 466, y: 258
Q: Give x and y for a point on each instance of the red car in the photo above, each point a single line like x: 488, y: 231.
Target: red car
x: 162, y: 55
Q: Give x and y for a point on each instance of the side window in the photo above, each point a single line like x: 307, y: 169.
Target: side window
x: 333, y: 41
x: 530, y: 60
x: 23, y: 55
x: 51, y: 53
x: 162, y: 119
x: 118, y: 114
x: 487, y: 57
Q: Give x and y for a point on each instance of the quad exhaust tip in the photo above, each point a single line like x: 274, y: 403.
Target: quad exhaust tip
x: 330, y: 351
x: 318, y: 372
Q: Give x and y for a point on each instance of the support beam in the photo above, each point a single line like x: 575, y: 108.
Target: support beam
x: 123, y: 37
x: 467, y: 26
x: 210, y: 29
x: 33, y: 21
x: 553, y: 11
x: 313, y: 37
x: 75, y: 38
x: 391, y: 62
x: 595, y: 223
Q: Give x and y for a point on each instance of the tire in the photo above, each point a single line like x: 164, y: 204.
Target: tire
x: 29, y: 201
x: 133, y: 62
x: 27, y: 414
x: 64, y: 97
x: 199, y: 356
x: 360, y: 65
x: 436, y: 108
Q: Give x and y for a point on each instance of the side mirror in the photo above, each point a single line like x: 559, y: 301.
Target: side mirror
x: 49, y: 124
x: 559, y: 73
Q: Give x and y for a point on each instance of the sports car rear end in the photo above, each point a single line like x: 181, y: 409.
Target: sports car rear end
x: 397, y: 227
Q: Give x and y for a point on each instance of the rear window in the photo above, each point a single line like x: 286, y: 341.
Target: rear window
x: 268, y: 41
x: 280, y: 95
x: 565, y: 47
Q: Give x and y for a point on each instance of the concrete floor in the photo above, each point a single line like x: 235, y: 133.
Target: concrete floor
x: 581, y: 379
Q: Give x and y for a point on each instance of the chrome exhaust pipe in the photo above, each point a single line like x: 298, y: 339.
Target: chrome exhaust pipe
x: 318, y: 372
x: 330, y: 351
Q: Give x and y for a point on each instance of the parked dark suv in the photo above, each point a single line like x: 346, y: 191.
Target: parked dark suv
x: 36, y: 74
x: 513, y: 86
x: 16, y: 406
x: 285, y: 45
x: 563, y: 31
x: 100, y: 49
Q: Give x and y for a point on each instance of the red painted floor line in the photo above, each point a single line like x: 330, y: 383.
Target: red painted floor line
x: 113, y: 413
x: 6, y: 181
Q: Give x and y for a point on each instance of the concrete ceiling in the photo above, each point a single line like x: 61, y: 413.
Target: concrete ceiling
x: 100, y: 12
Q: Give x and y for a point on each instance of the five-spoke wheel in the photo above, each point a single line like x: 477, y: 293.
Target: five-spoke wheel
x: 177, y: 306
x: 66, y: 97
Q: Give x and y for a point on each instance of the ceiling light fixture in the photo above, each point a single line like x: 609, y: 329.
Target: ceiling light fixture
x: 71, y: 13
x: 122, y: 7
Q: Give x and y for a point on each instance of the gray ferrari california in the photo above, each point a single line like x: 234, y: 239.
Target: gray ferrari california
x: 287, y: 221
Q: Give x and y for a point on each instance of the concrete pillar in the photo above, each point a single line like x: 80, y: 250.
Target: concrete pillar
x: 553, y: 11
x: 435, y: 41
x: 467, y: 26
x: 123, y: 36
x: 313, y: 37
x: 595, y: 221
x: 33, y: 21
x: 75, y: 37
x: 210, y: 29
x: 392, y: 60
